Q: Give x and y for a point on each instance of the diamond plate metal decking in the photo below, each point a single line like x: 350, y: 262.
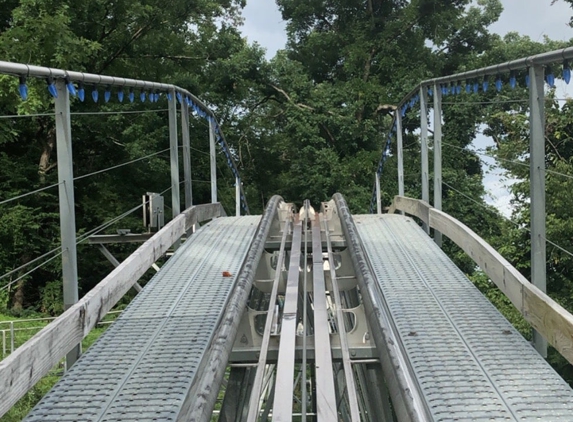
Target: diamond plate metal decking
x: 142, y: 367
x: 470, y: 363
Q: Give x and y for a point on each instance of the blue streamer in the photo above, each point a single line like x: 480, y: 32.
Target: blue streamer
x: 23, y: 88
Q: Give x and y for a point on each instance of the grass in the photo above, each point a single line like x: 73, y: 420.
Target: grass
x: 28, y: 329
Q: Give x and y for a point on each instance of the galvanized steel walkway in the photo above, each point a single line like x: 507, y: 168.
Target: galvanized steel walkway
x: 470, y: 363
x: 143, y: 366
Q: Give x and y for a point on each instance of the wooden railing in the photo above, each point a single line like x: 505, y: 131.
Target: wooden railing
x: 21, y: 370
x: 545, y: 315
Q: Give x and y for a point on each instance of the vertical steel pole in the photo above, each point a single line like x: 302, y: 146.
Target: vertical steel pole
x: 11, y: 336
x: 378, y: 194
x: 424, y: 146
x: 537, y: 177
x: 400, y: 152
x: 67, y: 205
x: 213, y: 160
x: 437, y: 157
x: 237, y: 196
x: 186, y: 154
x: 3, y: 344
x: 174, y: 156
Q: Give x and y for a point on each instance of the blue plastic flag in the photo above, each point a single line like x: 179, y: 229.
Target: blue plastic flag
x: 52, y: 87
x: 120, y: 95
x: 95, y: 95
x: 81, y: 92
x: 107, y: 94
x: 23, y: 88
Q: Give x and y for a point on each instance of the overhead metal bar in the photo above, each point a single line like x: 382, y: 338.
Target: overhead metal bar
x: 19, y: 69
x: 347, y: 364
x: 326, y: 398
x: 282, y: 408
x: 25, y: 70
x: 523, y: 63
x: 254, y: 401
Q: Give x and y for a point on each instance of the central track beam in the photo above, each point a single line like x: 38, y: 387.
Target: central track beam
x: 326, y: 396
x: 282, y: 403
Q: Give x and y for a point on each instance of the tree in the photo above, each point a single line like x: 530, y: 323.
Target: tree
x: 187, y: 43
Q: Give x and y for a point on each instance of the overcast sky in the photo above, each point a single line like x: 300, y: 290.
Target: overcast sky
x: 535, y: 18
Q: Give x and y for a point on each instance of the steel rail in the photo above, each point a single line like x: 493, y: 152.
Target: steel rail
x: 326, y: 396
x: 304, y: 313
x: 407, y: 399
x: 256, y: 390
x: 200, y: 402
x: 346, y: 362
x: 282, y: 407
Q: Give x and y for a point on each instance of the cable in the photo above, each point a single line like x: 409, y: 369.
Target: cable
x: 89, y: 113
x: 80, y: 239
x: 508, y: 219
x: 120, y: 165
x: 479, y: 152
x: 198, y: 150
x: 31, y: 271
x: 15, y: 270
x: 30, y: 193
x: 485, y: 102
x: 14, y: 116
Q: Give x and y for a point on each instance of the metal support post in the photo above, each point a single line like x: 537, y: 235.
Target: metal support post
x: 437, y: 157
x: 378, y: 195
x: 186, y: 154
x: 237, y: 196
x: 537, y: 177
x: 174, y: 156
x: 424, y: 146
x: 213, y: 160
x: 67, y: 204
x: 400, y: 152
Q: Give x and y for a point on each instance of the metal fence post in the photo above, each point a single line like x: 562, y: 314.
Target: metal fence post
x: 3, y: 343
x: 437, y: 94
x: 237, y: 196
x: 537, y: 187
x: 378, y: 194
x: 174, y: 155
x: 213, y: 160
x: 424, y: 146
x: 11, y: 336
x: 67, y: 204
x: 400, y: 152
x: 186, y: 154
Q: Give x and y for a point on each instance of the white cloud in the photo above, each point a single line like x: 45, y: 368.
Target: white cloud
x: 264, y: 24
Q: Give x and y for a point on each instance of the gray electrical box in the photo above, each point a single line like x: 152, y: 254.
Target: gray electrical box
x: 153, y: 211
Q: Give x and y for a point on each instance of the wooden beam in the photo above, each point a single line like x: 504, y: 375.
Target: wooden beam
x: 545, y: 315
x: 22, y: 369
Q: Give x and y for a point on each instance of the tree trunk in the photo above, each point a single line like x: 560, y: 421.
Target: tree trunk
x: 48, y: 143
